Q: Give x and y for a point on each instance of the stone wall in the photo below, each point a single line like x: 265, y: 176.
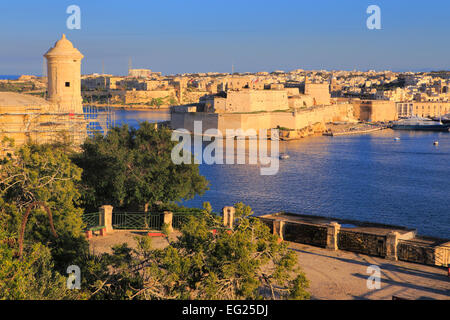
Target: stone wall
x: 366, y: 243
x: 389, y: 242
x: 320, y: 92
x: 142, y: 96
x: 435, y: 252
x: 256, y: 100
x: 185, y: 120
x: 408, y: 251
x: 148, y: 96
x: 316, y: 128
x: 305, y: 233
x: 375, y: 110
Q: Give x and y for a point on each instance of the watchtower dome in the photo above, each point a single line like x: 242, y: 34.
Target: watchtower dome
x: 64, y: 76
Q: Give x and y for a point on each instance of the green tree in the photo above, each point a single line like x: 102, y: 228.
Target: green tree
x: 131, y: 168
x: 43, y: 174
x: 247, y: 263
x: 33, y: 276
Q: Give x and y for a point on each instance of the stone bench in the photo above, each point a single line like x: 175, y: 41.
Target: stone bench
x: 90, y: 231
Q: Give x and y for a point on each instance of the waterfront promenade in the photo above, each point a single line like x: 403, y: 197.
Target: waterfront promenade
x: 342, y: 275
x: 335, y: 275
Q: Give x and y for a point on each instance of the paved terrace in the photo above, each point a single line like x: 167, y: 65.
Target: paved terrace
x: 335, y: 275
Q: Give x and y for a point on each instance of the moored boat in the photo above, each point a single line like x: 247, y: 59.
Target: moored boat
x: 445, y: 119
x: 420, y: 124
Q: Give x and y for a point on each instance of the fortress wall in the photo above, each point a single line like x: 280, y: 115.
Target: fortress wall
x: 185, y: 120
x: 265, y: 120
x: 238, y: 101
x: 331, y: 113
x: 256, y: 100
x: 319, y: 91
x: 147, y: 96
x: 244, y: 121
x: 378, y: 110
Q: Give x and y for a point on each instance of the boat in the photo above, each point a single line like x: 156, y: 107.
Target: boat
x: 445, y: 119
x: 436, y: 143
x: 396, y: 138
x: 420, y: 124
x: 284, y: 156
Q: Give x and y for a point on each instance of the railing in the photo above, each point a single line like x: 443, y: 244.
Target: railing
x: 181, y: 218
x: 136, y: 221
x: 139, y: 220
x: 90, y: 220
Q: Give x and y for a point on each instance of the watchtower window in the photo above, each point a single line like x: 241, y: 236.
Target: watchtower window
x: 67, y: 84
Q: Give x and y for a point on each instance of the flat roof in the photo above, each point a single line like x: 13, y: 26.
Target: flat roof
x: 12, y: 99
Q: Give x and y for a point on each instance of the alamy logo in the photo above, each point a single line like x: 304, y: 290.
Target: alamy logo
x: 235, y: 145
x: 74, y: 20
x: 74, y: 278
x: 374, y: 280
x: 374, y: 21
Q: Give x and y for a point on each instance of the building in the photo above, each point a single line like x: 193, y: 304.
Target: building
x: 422, y: 109
x: 140, y: 73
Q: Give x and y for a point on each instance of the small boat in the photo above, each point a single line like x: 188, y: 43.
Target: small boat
x: 436, y: 143
x: 284, y: 156
x: 396, y: 138
x: 420, y: 124
x: 445, y: 119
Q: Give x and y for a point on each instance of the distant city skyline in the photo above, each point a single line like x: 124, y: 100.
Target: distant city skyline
x: 181, y: 36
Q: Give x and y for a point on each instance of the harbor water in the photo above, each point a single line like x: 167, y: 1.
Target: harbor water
x: 370, y: 177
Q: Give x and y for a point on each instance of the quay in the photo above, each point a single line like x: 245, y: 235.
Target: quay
x: 340, y: 129
x: 332, y: 134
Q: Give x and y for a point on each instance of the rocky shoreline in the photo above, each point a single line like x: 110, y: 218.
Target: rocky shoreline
x: 329, y: 129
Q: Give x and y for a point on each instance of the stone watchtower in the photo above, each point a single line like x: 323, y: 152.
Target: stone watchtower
x: 64, y: 76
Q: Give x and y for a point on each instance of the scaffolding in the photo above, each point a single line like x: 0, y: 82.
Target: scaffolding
x: 41, y: 126
x: 99, y: 119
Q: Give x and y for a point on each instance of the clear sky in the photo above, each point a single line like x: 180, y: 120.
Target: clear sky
x: 177, y: 36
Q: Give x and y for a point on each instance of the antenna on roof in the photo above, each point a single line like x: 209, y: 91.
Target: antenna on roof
x: 103, y: 67
x: 129, y: 66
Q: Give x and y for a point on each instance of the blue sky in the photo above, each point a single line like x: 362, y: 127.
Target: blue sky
x: 176, y: 36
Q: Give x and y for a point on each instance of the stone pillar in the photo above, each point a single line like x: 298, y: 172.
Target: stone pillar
x: 278, y: 228
x: 228, y: 216
x: 105, y: 217
x: 332, y: 236
x: 391, y: 245
x: 167, y: 220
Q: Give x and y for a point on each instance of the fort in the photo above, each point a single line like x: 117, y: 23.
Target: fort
x: 294, y: 108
